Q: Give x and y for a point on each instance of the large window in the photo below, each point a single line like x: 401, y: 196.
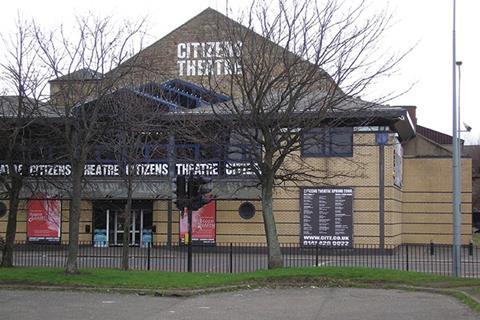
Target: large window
x: 328, y: 142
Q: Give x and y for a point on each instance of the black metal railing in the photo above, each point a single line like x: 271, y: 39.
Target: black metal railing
x: 241, y: 257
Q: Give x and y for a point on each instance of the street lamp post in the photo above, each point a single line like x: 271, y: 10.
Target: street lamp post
x: 456, y: 160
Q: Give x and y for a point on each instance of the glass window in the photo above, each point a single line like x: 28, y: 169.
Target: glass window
x: 104, y: 154
x: 328, y: 142
x: 242, y: 149
x: 157, y: 152
x: 341, y: 141
x: 186, y: 152
x: 211, y: 152
x: 246, y: 210
x: 3, y: 209
x: 314, y: 142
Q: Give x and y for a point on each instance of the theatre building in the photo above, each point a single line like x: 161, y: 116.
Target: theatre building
x: 399, y: 189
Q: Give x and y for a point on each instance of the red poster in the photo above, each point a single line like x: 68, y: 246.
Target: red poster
x: 44, y: 220
x: 203, y: 226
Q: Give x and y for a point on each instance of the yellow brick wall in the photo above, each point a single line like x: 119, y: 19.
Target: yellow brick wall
x: 393, y: 215
x: 4, y: 219
x: 393, y: 199
x: 86, y: 218
x: 427, y: 201
x: 21, y: 234
x: 232, y: 228
x: 419, y: 212
x: 160, y: 221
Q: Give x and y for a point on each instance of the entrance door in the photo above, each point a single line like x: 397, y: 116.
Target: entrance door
x: 108, y: 223
x: 115, y: 225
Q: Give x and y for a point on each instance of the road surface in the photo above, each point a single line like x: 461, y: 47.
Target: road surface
x: 275, y: 304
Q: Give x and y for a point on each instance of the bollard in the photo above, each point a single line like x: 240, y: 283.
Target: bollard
x: 432, y: 248
x: 470, y: 248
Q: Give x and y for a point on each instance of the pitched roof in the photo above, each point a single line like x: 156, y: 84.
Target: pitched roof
x: 32, y: 108
x: 160, y: 51
x: 9, y: 105
x: 206, y: 26
x: 81, y: 74
x: 436, y: 136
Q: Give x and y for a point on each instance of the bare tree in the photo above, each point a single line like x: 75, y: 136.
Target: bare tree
x: 293, y: 72
x: 133, y: 124
x: 21, y: 76
x: 79, y: 60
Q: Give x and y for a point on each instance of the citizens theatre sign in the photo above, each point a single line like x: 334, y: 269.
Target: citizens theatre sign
x: 208, y: 58
x: 139, y: 169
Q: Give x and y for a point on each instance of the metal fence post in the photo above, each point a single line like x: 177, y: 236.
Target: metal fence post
x: 149, y: 244
x: 190, y: 241
x: 428, y: 258
x: 231, y: 257
x: 406, y: 251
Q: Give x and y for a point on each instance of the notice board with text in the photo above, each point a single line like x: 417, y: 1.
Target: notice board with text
x: 326, y: 217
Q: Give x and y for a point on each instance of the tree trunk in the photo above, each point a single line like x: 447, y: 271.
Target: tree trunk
x: 275, y: 259
x: 13, y: 201
x: 74, y: 219
x: 126, y: 226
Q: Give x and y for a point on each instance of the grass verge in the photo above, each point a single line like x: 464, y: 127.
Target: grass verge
x: 473, y: 304
x: 170, y: 283
x: 329, y: 276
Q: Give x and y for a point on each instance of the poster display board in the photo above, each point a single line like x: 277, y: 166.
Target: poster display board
x: 327, y: 217
x: 44, y: 220
x: 203, y: 226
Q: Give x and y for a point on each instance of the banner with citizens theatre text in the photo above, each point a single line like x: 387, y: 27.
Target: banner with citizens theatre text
x: 203, y: 226
x: 44, y: 219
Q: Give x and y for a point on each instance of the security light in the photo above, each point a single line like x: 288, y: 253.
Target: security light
x: 467, y: 127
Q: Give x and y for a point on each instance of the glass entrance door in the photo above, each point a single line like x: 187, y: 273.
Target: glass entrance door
x: 115, y: 225
x: 108, y: 223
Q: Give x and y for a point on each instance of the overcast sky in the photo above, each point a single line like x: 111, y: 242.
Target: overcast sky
x: 426, y: 22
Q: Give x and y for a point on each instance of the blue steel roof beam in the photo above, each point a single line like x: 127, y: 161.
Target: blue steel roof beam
x: 153, y: 89
x: 185, y: 94
x: 217, y: 97
x: 168, y: 86
x: 171, y: 106
x: 193, y: 86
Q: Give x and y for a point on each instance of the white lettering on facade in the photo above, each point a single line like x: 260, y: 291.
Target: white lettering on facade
x: 205, y: 169
x: 238, y: 169
x: 181, y: 66
x: 204, y: 58
x: 182, y: 51
x: 50, y: 170
x: 140, y: 169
